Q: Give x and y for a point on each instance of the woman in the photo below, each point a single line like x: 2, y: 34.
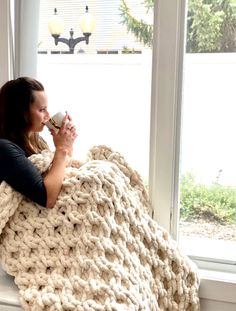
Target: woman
x: 23, y: 113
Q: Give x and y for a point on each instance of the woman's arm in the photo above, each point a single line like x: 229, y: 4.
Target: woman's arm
x: 20, y: 173
x: 54, y: 178
x: 63, y: 141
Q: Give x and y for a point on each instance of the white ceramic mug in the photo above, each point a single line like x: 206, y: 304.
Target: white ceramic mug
x: 55, y: 121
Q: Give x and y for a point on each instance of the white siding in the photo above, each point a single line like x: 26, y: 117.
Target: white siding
x: 109, y: 33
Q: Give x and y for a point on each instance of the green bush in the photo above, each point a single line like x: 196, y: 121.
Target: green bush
x: 212, y: 203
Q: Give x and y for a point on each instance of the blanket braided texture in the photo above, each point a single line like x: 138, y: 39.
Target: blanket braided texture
x: 98, y: 248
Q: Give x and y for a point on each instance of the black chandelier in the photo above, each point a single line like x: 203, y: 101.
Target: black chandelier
x: 56, y: 28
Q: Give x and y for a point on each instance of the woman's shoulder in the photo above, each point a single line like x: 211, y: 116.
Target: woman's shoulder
x: 7, y: 147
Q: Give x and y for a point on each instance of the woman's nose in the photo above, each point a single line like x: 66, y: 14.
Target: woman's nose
x: 47, y: 115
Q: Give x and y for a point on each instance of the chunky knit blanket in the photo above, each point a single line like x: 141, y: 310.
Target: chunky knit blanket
x: 98, y: 248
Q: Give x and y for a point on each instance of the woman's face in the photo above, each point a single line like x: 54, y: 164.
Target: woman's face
x: 38, y: 111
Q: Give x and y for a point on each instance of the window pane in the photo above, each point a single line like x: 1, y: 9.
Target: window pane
x: 208, y: 169
x: 107, y: 88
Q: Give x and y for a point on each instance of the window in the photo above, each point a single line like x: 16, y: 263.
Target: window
x: 217, y: 290
x: 85, y: 84
x: 208, y: 179
x: 107, y: 94
x: 207, y: 170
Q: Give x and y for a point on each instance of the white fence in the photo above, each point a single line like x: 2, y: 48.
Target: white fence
x: 109, y: 98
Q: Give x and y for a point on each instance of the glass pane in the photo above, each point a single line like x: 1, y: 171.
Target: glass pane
x: 208, y: 169
x: 105, y: 85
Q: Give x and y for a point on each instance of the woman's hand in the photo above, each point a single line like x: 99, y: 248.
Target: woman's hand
x: 63, y: 141
x: 65, y: 137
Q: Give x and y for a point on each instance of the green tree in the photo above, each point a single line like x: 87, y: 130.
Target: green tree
x: 141, y: 30
x: 211, y: 25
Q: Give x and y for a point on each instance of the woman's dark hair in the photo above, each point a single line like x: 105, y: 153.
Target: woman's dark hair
x: 16, y: 96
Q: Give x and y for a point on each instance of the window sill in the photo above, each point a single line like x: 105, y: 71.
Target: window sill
x: 9, y: 293
x: 217, y: 268
x: 218, y: 286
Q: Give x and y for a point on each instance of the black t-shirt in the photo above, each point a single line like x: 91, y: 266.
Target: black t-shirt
x: 20, y: 173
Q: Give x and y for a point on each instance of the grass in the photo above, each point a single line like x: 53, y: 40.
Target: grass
x: 213, y: 203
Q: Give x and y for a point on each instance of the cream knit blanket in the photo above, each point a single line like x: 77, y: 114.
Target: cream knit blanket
x: 98, y: 248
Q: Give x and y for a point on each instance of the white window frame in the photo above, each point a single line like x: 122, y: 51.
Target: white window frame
x: 26, y: 37
x: 217, y: 290
x: 167, y: 66
x: 18, y: 54
x: 5, y: 36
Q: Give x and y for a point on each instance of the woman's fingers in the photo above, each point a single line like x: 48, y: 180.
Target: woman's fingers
x: 64, y: 121
x: 52, y: 132
x: 69, y: 118
x: 67, y: 132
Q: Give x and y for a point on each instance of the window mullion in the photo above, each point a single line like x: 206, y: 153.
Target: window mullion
x: 168, y: 46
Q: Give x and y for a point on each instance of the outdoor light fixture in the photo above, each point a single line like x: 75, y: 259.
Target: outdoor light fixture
x: 56, y: 28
